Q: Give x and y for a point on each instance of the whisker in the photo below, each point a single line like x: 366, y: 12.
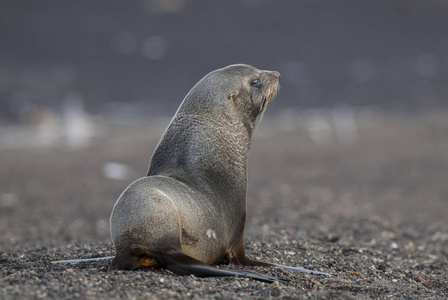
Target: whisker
x: 259, y: 121
x: 271, y: 93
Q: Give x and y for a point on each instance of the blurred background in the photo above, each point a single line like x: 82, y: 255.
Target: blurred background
x: 64, y: 65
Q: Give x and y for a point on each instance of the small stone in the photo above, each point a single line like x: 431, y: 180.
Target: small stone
x: 275, y: 292
x: 333, y: 239
x: 394, y: 245
x: 381, y: 267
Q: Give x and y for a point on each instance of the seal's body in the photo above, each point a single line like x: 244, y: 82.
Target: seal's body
x: 190, y: 210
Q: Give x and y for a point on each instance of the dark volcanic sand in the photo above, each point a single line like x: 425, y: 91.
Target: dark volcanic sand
x: 372, y: 212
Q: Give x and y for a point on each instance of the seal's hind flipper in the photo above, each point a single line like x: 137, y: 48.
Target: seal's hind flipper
x: 182, y: 264
x: 76, y: 261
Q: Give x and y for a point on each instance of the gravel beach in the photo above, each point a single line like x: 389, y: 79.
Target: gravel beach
x: 366, y: 203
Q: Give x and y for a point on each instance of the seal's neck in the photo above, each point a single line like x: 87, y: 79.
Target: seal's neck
x: 204, y: 151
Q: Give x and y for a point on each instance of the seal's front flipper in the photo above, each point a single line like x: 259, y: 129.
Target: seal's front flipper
x: 182, y: 264
x: 250, y: 262
x: 301, y: 270
x: 239, y: 258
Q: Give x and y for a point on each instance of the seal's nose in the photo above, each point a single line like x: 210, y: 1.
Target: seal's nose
x: 275, y: 73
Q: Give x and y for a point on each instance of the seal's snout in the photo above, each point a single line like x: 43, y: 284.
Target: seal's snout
x: 275, y: 73
x: 272, y: 88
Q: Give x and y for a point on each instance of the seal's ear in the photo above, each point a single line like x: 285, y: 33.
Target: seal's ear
x: 232, y: 95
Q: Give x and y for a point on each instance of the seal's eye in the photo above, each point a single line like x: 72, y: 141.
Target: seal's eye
x: 255, y: 82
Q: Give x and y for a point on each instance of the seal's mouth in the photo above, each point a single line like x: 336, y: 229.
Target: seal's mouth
x: 271, y: 93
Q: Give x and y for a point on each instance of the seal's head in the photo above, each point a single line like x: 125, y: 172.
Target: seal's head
x: 235, y: 93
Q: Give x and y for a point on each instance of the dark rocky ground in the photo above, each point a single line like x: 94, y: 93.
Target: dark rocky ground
x: 371, y: 211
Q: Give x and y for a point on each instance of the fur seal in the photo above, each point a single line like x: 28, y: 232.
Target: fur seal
x: 189, y: 212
